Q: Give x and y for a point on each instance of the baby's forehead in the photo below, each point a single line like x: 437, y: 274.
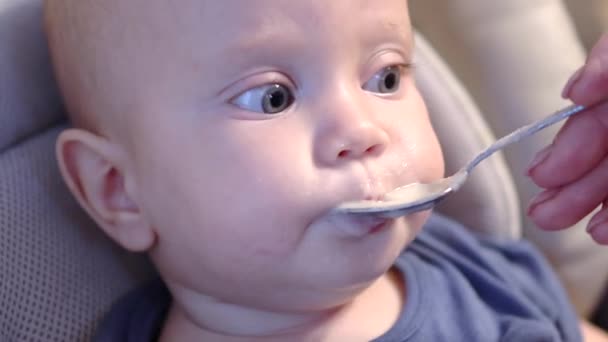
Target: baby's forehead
x: 213, y: 23
x: 252, y: 19
x: 106, y: 48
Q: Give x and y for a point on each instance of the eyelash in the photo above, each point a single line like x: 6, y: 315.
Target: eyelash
x: 285, y: 91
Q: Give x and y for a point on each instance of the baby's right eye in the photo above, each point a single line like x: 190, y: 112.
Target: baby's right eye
x: 268, y: 99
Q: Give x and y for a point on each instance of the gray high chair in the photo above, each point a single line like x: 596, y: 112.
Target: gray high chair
x: 59, y: 274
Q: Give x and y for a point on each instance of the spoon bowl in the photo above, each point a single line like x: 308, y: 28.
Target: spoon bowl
x: 416, y: 197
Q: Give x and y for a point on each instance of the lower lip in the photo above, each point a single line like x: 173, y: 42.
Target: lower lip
x: 378, y: 228
x: 360, y: 226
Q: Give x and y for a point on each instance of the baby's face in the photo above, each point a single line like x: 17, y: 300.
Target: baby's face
x: 253, y: 120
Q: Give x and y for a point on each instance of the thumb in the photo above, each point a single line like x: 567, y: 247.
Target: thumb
x: 590, y: 85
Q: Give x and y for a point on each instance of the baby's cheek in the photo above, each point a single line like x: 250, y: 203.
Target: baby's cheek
x: 420, y: 137
x: 214, y: 238
x: 419, y: 157
x: 267, y: 223
x: 427, y: 154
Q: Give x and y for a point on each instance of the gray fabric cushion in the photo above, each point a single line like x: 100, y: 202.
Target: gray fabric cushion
x: 58, y: 273
x: 28, y: 96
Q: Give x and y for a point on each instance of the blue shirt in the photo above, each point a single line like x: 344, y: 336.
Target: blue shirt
x: 461, y: 287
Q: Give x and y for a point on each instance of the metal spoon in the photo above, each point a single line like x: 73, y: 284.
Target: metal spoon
x: 422, y: 196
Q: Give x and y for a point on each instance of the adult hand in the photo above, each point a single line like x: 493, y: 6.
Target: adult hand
x: 573, y: 170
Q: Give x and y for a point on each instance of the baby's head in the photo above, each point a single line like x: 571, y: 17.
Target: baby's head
x: 218, y: 135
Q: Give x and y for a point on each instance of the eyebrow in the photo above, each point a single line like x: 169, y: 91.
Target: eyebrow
x: 241, y: 52
x: 281, y: 44
x: 391, y: 31
x: 250, y: 45
x: 405, y: 32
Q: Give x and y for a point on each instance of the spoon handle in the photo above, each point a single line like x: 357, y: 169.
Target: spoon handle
x: 524, y: 132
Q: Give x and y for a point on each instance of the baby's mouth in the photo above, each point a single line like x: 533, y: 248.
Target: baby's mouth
x: 358, y: 226
x: 374, y: 198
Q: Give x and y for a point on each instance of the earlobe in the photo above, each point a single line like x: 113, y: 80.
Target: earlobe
x: 96, y: 173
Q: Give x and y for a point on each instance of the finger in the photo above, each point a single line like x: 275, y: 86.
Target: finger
x: 579, y: 146
x: 563, y: 207
x: 600, y: 234
x: 590, y: 84
x: 598, y: 225
x: 601, y: 47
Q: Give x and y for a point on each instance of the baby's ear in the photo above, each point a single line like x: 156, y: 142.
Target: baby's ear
x: 96, y: 173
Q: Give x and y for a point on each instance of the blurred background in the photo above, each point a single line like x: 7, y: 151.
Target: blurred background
x: 514, y: 57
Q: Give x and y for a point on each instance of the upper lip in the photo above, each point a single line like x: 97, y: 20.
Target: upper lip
x: 368, y: 186
x: 373, y: 197
x: 367, y: 193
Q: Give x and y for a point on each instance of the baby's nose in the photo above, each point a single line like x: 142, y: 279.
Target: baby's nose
x: 354, y: 139
x: 366, y: 140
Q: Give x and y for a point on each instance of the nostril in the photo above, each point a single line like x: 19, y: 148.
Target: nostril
x: 373, y: 149
x: 344, y: 154
x: 348, y: 153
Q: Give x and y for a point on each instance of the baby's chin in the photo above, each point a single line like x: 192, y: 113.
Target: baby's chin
x: 363, y: 249
x: 366, y: 259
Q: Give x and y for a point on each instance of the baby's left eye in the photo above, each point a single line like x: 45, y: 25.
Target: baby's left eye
x: 386, y: 81
x: 268, y: 99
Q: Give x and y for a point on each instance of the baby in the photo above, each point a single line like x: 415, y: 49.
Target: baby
x: 217, y: 136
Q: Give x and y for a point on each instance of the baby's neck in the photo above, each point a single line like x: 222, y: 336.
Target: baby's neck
x: 368, y: 316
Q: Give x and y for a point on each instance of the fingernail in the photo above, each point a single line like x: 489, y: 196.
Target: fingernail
x: 599, y: 232
x: 541, y: 198
x: 594, y: 66
x: 539, y: 158
x: 592, y: 227
x: 571, y: 82
x: 597, y: 220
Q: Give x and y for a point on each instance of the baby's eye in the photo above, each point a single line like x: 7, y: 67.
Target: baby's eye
x: 269, y: 99
x: 386, y: 81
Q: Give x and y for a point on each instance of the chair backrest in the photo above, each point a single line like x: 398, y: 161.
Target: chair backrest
x: 59, y: 274
x: 488, y: 202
